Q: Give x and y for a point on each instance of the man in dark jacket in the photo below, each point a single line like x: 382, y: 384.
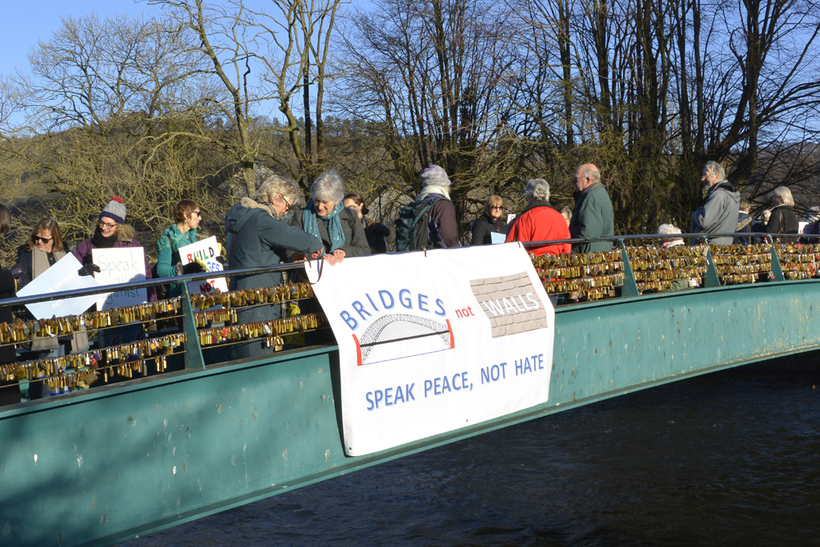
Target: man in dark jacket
x: 744, y: 222
x: 592, y: 217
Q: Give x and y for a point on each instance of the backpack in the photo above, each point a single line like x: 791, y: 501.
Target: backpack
x: 411, y: 225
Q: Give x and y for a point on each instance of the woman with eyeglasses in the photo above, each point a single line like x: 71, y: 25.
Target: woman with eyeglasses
x: 45, y: 248
x: 258, y: 237
x: 489, y: 222
x: 110, y: 231
x: 187, y: 216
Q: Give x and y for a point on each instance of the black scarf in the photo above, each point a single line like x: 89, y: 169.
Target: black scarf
x: 102, y: 242
x: 726, y: 185
x: 536, y: 203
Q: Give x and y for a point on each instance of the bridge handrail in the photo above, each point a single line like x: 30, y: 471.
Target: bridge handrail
x: 23, y: 300
x: 616, y: 238
x: 200, y: 330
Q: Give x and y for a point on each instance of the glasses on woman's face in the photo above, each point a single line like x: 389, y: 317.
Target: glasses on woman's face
x: 497, y: 207
x: 37, y: 240
x: 198, y: 213
x: 107, y: 225
x: 288, y: 206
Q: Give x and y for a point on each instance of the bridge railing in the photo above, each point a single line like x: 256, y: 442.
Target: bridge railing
x: 192, y: 332
x: 657, y: 267
x: 187, y: 332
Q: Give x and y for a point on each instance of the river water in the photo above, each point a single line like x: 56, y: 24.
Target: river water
x: 731, y: 458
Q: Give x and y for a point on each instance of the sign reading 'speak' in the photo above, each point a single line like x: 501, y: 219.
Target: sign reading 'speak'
x: 433, y: 342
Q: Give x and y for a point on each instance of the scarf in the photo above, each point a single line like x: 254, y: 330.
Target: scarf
x: 40, y: 261
x: 334, y: 224
x: 535, y: 203
x: 430, y: 189
x: 249, y: 203
x: 102, y: 242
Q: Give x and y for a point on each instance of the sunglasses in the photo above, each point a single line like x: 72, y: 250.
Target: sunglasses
x: 38, y: 239
x: 197, y: 213
x: 500, y: 207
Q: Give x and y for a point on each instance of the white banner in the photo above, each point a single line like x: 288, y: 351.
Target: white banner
x: 207, y: 250
x: 120, y: 265
x: 431, y: 343
x: 60, y: 277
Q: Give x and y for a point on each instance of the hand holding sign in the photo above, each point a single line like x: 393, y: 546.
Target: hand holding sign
x: 88, y: 269
x: 62, y: 277
x: 205, y: 254
x: 120, y: 265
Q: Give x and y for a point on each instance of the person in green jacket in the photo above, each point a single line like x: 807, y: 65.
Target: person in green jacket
x: 187, y: 216
x: 592, y: 217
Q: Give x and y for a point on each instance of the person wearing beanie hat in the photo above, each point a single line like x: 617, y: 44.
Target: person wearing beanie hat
x: 115, y: 210
x: 110, y: 231
x: 442, y: 224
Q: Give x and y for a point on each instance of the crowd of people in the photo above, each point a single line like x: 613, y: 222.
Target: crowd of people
x: 272, y: 227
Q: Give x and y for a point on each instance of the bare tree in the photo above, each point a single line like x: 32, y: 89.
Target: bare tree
x: 430, y: 76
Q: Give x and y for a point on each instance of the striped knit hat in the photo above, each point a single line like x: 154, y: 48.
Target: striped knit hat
x: 115, y: 210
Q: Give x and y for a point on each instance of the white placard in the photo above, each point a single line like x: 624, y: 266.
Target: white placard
x: 206, y: 250
x: 120, y: 265
x: 437, y: 341
x: 496, y: 238
x: 62, y: 276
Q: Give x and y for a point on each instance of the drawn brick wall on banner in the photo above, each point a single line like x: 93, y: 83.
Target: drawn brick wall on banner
x: 509, y: 302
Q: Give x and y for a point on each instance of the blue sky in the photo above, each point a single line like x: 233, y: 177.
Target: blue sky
x: 25, y: 22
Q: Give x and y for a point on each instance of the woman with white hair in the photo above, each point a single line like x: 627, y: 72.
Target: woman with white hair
x: 671, y: 230
x: 326, y: 217
x: 783, y: 220
x: 540, y: 222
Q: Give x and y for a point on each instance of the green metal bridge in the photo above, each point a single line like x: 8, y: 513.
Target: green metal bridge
x: 113, y: 463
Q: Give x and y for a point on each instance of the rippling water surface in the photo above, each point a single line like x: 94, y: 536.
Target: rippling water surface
x: 731, y: 458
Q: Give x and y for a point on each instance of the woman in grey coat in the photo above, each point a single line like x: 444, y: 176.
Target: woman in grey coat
x: 257, y: 237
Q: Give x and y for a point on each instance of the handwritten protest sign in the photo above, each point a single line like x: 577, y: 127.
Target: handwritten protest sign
x: 206, y: 250
x: 61, y: 277
x: 120, y: 265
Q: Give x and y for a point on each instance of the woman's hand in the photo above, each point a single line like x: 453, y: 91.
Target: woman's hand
x: 336, y: 256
